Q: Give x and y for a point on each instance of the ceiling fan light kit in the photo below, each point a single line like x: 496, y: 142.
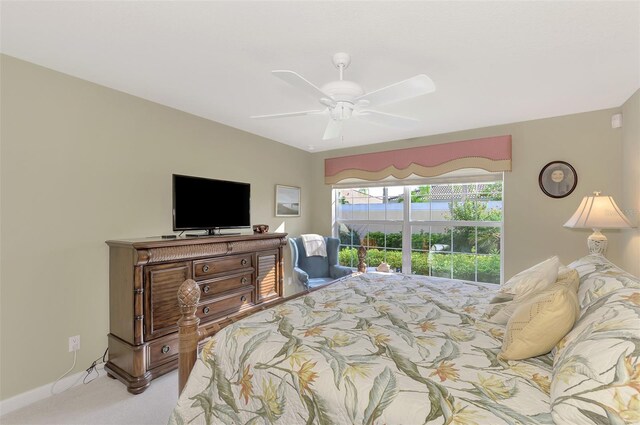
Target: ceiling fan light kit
x: 345, y: 99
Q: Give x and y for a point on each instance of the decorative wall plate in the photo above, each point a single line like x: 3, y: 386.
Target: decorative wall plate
x: 558, y: 179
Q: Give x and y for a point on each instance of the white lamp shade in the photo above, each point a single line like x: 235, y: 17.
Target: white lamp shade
x: 598, y: 212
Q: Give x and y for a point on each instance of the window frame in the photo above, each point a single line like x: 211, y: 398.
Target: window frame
x: 407, y: 223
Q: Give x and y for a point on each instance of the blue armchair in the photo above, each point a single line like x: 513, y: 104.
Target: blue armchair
x: 316, y: 270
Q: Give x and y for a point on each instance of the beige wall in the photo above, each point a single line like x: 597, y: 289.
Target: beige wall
x: 631, y: 182
x: 533, y: 221
x: 81, y: 164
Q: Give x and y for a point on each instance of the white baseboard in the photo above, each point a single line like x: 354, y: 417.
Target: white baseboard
x: 21, y: 400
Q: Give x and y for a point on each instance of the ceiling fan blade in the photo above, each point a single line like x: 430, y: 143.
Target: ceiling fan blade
x: 289, y: 114
x: 413, y: 87
x: 389, y: 120
x: 333, y: 130
x: 298, y: 81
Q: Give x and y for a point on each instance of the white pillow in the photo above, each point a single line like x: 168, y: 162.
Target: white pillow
x: 533, y: 279
x: 501, y: 313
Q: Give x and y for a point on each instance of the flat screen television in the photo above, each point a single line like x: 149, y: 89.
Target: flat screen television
x: 206, y: 204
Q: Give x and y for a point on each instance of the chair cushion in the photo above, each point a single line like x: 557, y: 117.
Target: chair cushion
x: 319, y: 281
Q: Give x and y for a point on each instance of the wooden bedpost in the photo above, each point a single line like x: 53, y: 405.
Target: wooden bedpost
x: 188, y: 298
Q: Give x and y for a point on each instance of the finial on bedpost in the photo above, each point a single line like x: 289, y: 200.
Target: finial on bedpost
x: 362, y: 254
x: 188, y: 298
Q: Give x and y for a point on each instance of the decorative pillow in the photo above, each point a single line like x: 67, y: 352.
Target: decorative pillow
x: 569, y: 278
x: 596, y: 370
x: 599, y: 276
x: 501, y: 298
x: 532, y: 279
x: 501, y: 313
x: 563, y: 271
x: 496, y: 304
x: 540, y: 322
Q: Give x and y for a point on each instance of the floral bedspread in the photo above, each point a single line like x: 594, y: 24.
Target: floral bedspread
x: 373, y: 349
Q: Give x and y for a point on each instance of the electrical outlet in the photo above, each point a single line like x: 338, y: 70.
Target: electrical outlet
x: 74, y: 343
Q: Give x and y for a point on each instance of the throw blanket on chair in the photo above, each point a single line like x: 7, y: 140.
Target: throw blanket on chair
x: 314, y: 245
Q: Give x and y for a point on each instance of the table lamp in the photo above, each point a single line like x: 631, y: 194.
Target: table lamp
x: 598, y: 212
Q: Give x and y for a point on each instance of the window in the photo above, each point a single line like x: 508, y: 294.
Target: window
x: 449, y: 230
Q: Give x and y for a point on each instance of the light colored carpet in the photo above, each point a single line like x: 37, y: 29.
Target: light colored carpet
x: 103, y: 401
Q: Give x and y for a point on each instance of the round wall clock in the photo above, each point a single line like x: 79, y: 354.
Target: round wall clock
x: 558, y: 179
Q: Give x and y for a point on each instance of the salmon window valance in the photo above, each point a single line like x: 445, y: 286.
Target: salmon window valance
x: 492, y: 154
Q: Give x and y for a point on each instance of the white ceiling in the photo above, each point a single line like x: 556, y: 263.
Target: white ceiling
x: 492, y: 62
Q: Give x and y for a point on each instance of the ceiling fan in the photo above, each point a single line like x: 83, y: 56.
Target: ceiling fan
x: 345, y: 99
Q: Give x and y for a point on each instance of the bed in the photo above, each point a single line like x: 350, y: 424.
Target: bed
x: 380, y: 348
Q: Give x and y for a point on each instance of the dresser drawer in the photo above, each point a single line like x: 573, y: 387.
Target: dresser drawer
x: 213, y: 287
x: 163, y: 350
x: 203, y: 269
x: 226, y: 304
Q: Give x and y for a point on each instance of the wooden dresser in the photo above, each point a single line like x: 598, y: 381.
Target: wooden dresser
x: 235, y: 274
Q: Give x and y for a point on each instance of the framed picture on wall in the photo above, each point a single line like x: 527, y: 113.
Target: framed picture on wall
x: 558, y: 179
x: 287, y: 201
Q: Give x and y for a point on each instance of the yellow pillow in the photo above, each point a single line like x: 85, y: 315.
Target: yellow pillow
x: 501, y: 313
x: 568, y: 277
x: 541, y: 321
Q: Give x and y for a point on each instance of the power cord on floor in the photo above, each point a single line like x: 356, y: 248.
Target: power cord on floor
x: 94, y: 367
x: 90, y: 371
x: 75, y: 357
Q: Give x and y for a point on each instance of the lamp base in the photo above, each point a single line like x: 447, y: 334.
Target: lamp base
x: 597, y: 243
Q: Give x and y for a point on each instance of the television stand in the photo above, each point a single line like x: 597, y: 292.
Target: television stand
x: 211, y: 232
x: 218, y: 232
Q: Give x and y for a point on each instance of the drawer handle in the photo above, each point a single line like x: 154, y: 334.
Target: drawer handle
x: 243, y: 298
x: 205, y: 268
x: 205, y: 310
x: 165, y: 349
x: 206, y: 289
x: 244, y: 280
x: 243, y: 262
